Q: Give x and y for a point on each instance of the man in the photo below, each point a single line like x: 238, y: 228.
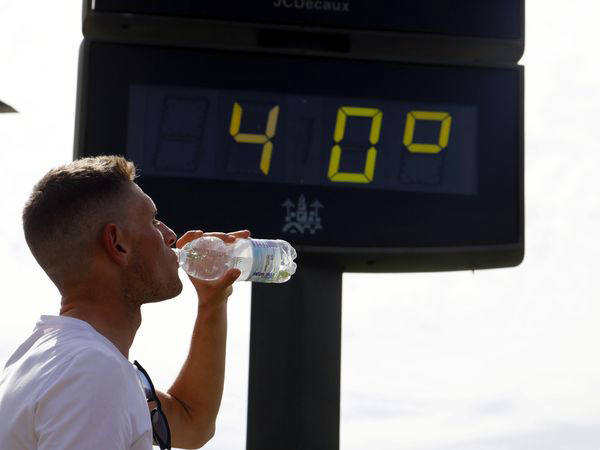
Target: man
x: 70, y: 385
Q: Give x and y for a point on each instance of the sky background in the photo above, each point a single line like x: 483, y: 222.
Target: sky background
x: 502, y: 359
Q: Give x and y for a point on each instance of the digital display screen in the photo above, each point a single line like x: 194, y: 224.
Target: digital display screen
x: 295, y: 139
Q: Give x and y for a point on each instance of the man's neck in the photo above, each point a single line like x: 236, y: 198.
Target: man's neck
x: 115, y: 320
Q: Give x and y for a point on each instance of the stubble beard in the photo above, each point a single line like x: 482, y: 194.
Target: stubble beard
x: 143, y: 286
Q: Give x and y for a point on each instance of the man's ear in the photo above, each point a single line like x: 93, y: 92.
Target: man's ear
x: 114, y: 243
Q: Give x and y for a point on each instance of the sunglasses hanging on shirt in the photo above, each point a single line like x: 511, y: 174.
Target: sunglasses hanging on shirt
x: 160, y: 426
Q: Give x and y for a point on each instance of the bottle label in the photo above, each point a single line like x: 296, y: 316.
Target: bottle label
x: 264, y: 260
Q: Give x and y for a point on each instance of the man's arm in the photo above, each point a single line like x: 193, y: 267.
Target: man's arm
x: 192, y: 403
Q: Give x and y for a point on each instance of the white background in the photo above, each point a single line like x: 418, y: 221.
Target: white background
x: 492, y: 360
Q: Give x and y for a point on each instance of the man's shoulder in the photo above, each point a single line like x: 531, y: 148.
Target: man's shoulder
x: 56, y: 341
x: 92, y: 386
x: 76, y: 351
x: 92, y: 358
x: 90, y: 369
x: 63, y: 359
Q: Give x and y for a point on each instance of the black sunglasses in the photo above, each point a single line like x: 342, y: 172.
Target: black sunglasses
x: 160, y: 426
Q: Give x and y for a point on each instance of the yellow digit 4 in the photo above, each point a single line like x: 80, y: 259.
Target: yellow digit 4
x: 248, y: 138
x: 336, y: 151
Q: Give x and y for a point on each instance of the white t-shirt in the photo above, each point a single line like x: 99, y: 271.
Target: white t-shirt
x: 67, y: 387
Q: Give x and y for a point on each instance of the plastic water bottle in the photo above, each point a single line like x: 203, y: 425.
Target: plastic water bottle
x: 262, y: 260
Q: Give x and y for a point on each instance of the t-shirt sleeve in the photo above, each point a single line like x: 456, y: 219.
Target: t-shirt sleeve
x: 85, y: 407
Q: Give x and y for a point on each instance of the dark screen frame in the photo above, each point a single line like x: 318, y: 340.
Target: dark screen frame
x: 355, y: 254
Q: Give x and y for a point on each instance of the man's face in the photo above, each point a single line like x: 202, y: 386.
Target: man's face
x: 152, y: 273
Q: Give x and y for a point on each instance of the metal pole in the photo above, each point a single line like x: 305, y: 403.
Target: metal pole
x: 294, y: 379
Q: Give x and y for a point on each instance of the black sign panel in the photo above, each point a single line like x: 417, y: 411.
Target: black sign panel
x: 383, y: 166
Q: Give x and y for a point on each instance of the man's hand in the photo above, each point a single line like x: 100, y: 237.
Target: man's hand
x: 214, y: 293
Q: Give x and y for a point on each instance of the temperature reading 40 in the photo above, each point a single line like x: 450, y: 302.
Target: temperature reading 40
x: 341, y: 124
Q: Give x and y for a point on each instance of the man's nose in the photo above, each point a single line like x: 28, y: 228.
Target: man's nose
x: 169, y: 235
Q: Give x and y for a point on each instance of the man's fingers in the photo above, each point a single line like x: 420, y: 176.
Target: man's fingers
x: 232, y: 275
x: 189, y: 236
x: 240, y: 233
x: 226, y: 237
x: 226, y: 281
x: 223, y: 236
x: 230, y: 237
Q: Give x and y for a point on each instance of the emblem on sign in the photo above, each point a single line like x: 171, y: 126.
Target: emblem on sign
x: 299, y: 218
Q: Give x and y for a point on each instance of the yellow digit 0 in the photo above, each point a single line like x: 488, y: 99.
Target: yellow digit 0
x: 248, y: 138
x: 409, y: 131
x: 336, y: 151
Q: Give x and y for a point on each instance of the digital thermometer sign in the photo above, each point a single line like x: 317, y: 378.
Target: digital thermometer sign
x: 381, y: 166
x: 374, y: 136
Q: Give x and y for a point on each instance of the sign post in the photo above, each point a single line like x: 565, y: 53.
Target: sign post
x: 295, y: 347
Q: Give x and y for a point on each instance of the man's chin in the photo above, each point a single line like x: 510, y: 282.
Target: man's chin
x: 179, y: 287
x: 168, y: 292
x: 176, y: 289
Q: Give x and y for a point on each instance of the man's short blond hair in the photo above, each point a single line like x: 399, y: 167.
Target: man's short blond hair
x: 69, y: 207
